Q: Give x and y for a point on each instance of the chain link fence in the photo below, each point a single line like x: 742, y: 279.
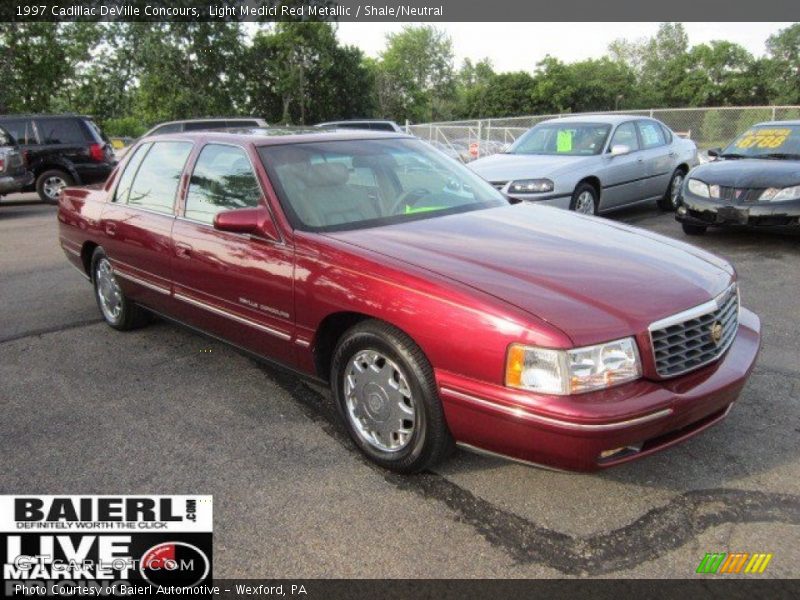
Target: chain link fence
x: 707, y: 127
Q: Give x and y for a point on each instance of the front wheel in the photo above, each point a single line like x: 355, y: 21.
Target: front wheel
x: 690, y: 229
x: 50, y: 183
x: 672, y: 197
x: 584, y: 199
x: 386, y: 394
x: 117, y: 310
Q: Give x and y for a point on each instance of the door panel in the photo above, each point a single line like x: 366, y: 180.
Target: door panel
x: 657, y: 158
x: 622, y: 181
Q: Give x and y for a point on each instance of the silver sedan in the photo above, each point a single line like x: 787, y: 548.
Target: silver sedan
x: 593, y: 163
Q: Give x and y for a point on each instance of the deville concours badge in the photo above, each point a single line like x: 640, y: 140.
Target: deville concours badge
x: 104, y: 545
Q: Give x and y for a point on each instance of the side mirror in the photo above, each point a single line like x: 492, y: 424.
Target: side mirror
x: 252, y: 221
x: 620, y: 150
x: 714, y: 152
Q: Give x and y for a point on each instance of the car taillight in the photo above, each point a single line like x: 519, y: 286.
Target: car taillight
x: 2, y: 165
x: 96, y: 152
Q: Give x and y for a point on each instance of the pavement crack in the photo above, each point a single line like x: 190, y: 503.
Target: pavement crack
x: 46, y: 330
x: 672, y: 525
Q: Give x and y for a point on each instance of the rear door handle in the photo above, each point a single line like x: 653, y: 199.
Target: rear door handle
x: 111, y: 229
x: 183, y: 250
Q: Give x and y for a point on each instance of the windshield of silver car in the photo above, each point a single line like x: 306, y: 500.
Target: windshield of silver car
x: 354, y: 184
x: 563, y: 139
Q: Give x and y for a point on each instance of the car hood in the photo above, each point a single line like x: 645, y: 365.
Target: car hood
x: 593, y: 279
x: 749, y: 173
x: 504, y: 167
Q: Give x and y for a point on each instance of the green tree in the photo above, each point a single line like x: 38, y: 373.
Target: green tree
x: 784, y: 51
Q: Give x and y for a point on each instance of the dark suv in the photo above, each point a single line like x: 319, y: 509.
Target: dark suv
x: 60, y: 150
x: 13, y: 174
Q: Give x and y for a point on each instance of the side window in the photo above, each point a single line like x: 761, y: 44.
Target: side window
x: 125, y: 180
x: 61, y: 131
x: 223, y: 179
x: 204, y: 125
x: 5, y: 138
x: 652, y: 134
x: 22, y: 131
x: 235, y: 123
x: 625, y: 135
x: 156, y: 181
x: 168, y: 128
x: 667, y: 133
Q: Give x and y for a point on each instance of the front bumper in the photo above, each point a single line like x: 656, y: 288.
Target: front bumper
x: 548, y: 199
x: 10, y: 184
x: 570, y: 433
x: 710, y: 212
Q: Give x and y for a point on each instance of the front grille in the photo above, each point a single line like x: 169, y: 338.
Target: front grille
x: 686, y: 341
x: 737, y: 195
x: 498, y: 185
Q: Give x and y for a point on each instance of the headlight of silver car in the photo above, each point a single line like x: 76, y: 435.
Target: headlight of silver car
x: 563, y: 372
x: 780, y: 194
x: 702, y: 189
x: 531, y: 186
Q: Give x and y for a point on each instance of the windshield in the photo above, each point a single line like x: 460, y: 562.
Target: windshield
x: 354, y: 184
x: 563, y: 139
x: 770, y: 141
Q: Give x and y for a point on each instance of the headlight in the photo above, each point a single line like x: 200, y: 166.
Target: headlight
x: 572, y: 371
x: 531, y: 186
x: 702, y: 189
x: 778, y: 194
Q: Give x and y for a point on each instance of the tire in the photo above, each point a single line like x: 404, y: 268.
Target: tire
x: 387, y: 397
x: 690, y: 229
x: 117, y: 310
x: 671, y: 199
x: 50, y: 183
x: 584, y: 199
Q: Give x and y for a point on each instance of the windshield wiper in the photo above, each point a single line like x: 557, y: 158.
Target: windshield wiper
x: 732, y: 155
x: 779, y: 155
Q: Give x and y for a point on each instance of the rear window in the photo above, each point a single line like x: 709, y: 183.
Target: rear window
x: 22, y: 131
x: 61, y: 131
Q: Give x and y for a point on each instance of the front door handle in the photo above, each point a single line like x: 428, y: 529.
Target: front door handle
x: 183, y: 250
x: 111, y: 229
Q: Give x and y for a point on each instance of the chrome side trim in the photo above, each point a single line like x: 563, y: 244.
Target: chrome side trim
x: 70, y: 250
x: 529, y: 416
x: 527, y: 463
x: 234, y: 317
x: 692, y: 313
x: 303, y: 343
x: 143, y: 283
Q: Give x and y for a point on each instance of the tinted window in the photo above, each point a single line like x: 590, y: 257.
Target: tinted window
x: 223, y: 179
x: 22, y: 131
x: 125, y: 180
x: 239, y: 123
x: 327, y: 186
x: 5, y: 138
x: 625, y: 135
x: 204, y: 125
x: 564, y: 139
x: 652, y: 134
x: 157, y: 179
x: 61, y: 131
x: 381, y: 126
x: 780, y: 138
x: 168, y: 128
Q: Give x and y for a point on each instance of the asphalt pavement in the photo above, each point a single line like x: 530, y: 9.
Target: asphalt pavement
x: 85, y: 409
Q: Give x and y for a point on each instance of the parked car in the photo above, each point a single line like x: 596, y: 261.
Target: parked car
x: 205, y: 125
x: 435, y: 310
x: 594, y: 163
x: 60, y: 150
x: 14, y: 175
x: 755, y: 181
x: 369, y: 124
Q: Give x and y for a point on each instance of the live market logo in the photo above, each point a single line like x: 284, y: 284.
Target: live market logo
x: 115, y: 544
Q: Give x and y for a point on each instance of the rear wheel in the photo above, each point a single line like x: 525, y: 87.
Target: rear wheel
x: 672, y: 197
x: 50, y: 183
x: 386, y: 393
x: 117, y: 310
x: 690, y: 229
x: 584, y: 199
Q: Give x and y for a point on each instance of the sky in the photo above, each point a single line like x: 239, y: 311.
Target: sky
x: 519, y: 46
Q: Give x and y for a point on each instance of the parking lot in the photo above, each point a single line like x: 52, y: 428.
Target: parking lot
x: 86, y: 409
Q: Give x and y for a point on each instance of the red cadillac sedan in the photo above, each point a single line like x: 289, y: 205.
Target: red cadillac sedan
x: 437, y: 312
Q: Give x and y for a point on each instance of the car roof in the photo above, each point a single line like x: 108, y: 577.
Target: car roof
x: 45, y: 116
x: 272, y: 136
x: 794, y: 122
x: 207, y: 119
x: 614, y: 119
